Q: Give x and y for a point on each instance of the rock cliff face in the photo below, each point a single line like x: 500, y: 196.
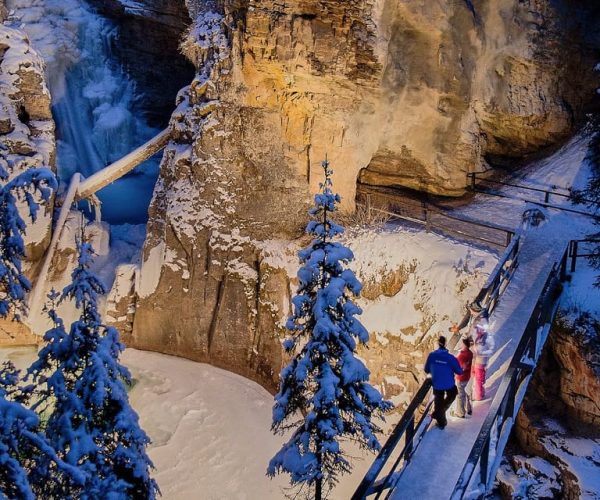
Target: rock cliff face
x: 405, y: 93
x: 26, y: 139
x: 395, y: 93
x: 560, y: 419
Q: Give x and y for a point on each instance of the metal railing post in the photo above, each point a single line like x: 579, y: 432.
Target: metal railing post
x: 563, y: 267
x: 574, y: 248
x: 483, y: 463
x: 410, y: 434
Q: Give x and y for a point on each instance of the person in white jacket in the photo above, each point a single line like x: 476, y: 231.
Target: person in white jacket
x: 483, y: 346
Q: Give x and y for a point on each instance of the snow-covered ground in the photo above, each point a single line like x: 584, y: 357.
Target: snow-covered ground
x: 210, y: 429
x: 440, y: 276
x: 565, y: 169
x: 580, y: 294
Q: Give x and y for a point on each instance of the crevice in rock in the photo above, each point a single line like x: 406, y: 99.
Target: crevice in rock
x: 216, y: 313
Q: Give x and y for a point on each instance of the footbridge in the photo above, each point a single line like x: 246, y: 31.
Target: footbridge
x: 420, y: 460
x: 81, y: 188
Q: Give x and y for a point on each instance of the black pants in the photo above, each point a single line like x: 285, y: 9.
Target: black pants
x: 441, y: 402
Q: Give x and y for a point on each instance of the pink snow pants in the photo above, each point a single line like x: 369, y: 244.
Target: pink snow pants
x: 478, y: 373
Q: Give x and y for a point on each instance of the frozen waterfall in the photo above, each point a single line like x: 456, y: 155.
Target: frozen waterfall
x: 93, y: 101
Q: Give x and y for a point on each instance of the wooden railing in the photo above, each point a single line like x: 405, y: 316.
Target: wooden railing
x: 375, y: 200
x: 412, y: 425
x: 486, y: 454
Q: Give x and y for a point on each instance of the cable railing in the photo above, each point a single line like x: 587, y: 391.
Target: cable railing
x: 413, y: 423
x: 486, y: 454
x: 433, y: 218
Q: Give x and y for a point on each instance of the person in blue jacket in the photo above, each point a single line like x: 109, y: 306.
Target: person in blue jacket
x: 442, y: 366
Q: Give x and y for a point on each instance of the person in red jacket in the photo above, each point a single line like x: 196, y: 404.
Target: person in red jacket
x: 465, y: 359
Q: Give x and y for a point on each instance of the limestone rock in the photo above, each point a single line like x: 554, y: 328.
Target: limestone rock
x: 404, y: 94
x: 559, y: 417
x: 394, y: 93
x: 571, y: 454
x: 576, y: 348
x: 120, y: 303
x: 528, y: 477
x: 26, y: 125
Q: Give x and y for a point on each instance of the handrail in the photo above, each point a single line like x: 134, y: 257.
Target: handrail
x: 547, y: 192
x: 488, y: 296
x: 575, y: 254
x: 512, y: 388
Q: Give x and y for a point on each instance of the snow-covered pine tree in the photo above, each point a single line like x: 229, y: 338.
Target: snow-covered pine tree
x: 324, y: 394
x: 27, y: 186
x: 20, y: 444
x: 90, y: 422
x: 22, y: 447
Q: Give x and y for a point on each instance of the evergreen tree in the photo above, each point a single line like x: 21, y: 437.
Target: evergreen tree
x: 25, y: 186
x: 20, y: 443
x: 22, y: 447
x: 324, y: 392
x: 90, y: 422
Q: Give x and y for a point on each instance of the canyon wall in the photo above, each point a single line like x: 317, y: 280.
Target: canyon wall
x: 394, y: 93
x: 559, y: 422
x: 26, y: 140
x: 147, y: 47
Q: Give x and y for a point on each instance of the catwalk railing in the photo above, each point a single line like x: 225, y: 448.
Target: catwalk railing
x: 391, y: 461
x: 376, y: 200
x: 480, y: 469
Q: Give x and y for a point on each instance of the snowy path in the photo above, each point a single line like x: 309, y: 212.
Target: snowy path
x: 566, y: 168
x: 439, y: 460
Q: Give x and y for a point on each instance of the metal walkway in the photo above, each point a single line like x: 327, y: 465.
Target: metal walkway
x: 421, y: 461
